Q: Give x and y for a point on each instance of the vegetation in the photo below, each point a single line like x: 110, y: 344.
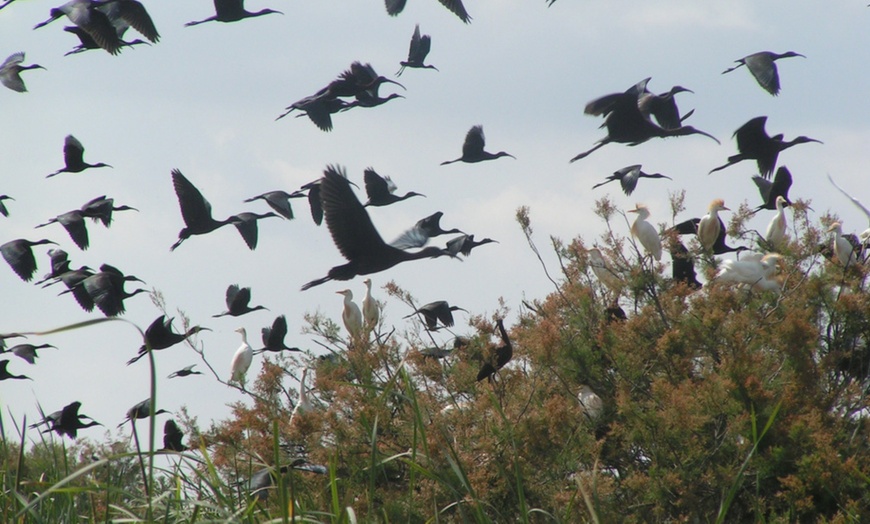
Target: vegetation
x: 724, y: 404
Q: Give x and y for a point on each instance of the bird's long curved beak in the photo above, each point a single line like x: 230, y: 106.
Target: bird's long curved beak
x: 394, y: 82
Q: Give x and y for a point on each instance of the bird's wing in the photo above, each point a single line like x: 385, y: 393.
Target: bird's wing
x: 134, y: 13
x: 73, y: 151
x: 349, y: 223
x: 74, y: 223
x: 279, y: 329
x: 414, y: 237
x: 394, y: 7
x: 764, y: 187
x: 763, y: 68
x: 853, y: 199
x: 474, y: 141
x: 247, y: 227
x: 315, y: 204
x: 13, y: 59
x: 456, y: 7
x: 195, y: 209
x: 376, y: 185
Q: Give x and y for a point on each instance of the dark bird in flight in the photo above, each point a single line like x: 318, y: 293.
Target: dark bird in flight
x: 434, y: 312
x: 19, y: 255
x: 172, y: 437
x: 318, y: 108
x: 762, y: 65
x: 10, y: 69
x: 472, y: 149
x: 355, y: 235
x: 73, y: 157
x: 381, y: 190
x: 3, y: 210
x: 279, y: 201
x: 663, y: 107
x: 423, y: 230
x: 26, y: 351
x: 195, y: 210
x: 501, y: 355
x: 394, y: 7
x: 159, y: 335
x: 4, y: 373
x: 237, y: 302
x: 140, y: 411
x: 100, y: 209
x: 246, y: 224
x: 106, y: 289
x: 185, y: 372
x: 628, y: 177
x: 273, y: 337
x: 74, y: 223
x: 353, y: 81
x: 86, y: 15
x: 71, y: 279
x: 231, y: 11
x: 59, y: 265
x: 753, y: 143
x: 626, y: 124
x: 770, y: 190
x: 67, y: 421
x: 86, y: 43
x: 465, y: 243
x: 420, y: 46
x: 129, y: 13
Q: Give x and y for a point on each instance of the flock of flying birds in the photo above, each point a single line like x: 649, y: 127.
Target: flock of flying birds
x: 631, y: 117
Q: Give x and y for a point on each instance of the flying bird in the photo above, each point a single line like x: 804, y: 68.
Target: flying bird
x: 423, y: 230
x: 106, y: 289
x: 663, y: 107
x: 231, y: 11
x: 273, y: 337
x: 101, y: 208
x: 19, y: 255
x: 67, y: 421
x: 59, y: 265
x: 279, y: 201
x: 237, y: 299
x: 242, y: 359
x: 159, y: 335
x: 246, y: 224
x: 434, y: 312
x: 3, y: 210
x: 420, y: 46
x: 355, y: 235
x: 140, y: 411
x: 753, y: 143
x: 381, y: 190
x: 865, y: 236
x: 645, y: 232
x: 318, y: 108
x: 195, y: 210
x: 185, y: 372
x: 5, y: 374
x: 74, y: 223
x: 472, y: 148
x: 771, y: 190
x: 86, y: 15
x: 628, y: 177
x: 26, y: 351
x: 500, y: 356
x: 465, y: 243
x: 762, y: 65
x: 10, y: 69
x: 172, y: 437
x: 87, y: 43
x: 394, y: 7
x: 73, y: 157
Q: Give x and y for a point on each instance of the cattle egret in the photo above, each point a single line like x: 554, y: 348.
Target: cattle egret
x: 242, y: 359
x: 645, y: 232
x: 351, y: 314
x: 709, y: 227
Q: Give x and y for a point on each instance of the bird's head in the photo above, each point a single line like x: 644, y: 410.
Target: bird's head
x: 348, y: 294
x: 241, y: 331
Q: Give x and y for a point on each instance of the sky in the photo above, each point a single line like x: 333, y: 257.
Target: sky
x: 204, y: 100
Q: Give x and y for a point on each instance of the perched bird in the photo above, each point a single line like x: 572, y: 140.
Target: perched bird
x: 755, y: 271
x: 628, y: 177
x: 231, y: 11
x: 106, y: 289
x: 776, y: 229
x: 73, y: 157
x: 273, y: 337
x: 246, y: 224
x: 605, y: 274
x: 710, y: 225
x: 237, y: 299
x: 394, y: 7
x: 720, y: 247
x: 351, y: 314
x: 140, y: 411
x: 501, y: 355
x: 371, y: 311
x: 381, y: 190
x: 472, y: 148
x: 753, y: 143
x: 420, y: 46
x: 771, y: 190
x: 195, y: 210
x: 590, y: 402
x: 465, y: 243
x: 86, y: 15
x: 433, y: 312
x: 67, y: 421
x: 172, y: 436
x: 355, y: 235
x: 843, y: 249
x: 185, y: 372
x: 159, y: 335
x: 626, y: 124
x: 19, y: 255
x: 4, y: 373
x: 279, y: 201
x: 261, y: 482
x: 27, y: 351
x: 74, y: 223
x: 303, y: 403
x: 683, y: 266
x: 423, y: 230
x: 3, y: 210
x: 10, y: 69
x: 241, y: 359
x: 763, y: 67
x: 865, y: 236
x: 645, y: 232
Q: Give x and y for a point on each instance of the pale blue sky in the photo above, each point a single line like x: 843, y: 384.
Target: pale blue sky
x: 204, y: 100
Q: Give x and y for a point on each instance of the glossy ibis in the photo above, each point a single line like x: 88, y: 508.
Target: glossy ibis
x: 246, y: 224
x: 86, y: 43
x: 159, y: 335
x: 5, y: 374
x: 472, y: 148
x: 645, y: 232
x: 420, y: 46
x: 500, y: 356
x: 27, y: 352
x: 195, y: 210
x: 3, y: 210
x: 73, y: 157
x: 433, y: 312
x: 279, y: 201
x: 10, y: 69
x: 231, y: 11
x: 394, y: 7
x: 423, y: 230
x: 763, y: 67
x: 319, y: 109
x: 273, y: 337
x: 242, y: 359
x: 19, y: 255
x: 140, y: 411
x: 381, y: 190
x: 237, y: 299
x: 771, y: 190
x: 355, y: 235
x: 106, y: 289
x: 59, y: 265
x: 663, y: 107
x: 86, y: 15
x: 172, y: 437
x: 465, y: 243
x: 67, y: 421
x: 628, y: 177
x: 100, y: 209
x: 683, y: 266
x: 74, y: 223
x: 185, y: 372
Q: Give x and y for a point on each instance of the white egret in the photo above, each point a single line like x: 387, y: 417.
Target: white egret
x: 370, y: 309
x: 645, y: 232
x: 242, y: 359
x: 777, y: 226
x: 756, y: 271
x: 591, y: 402
x: 844, y: 249
x: 605, y: 275
x: 865, y: 236
x: 303, y: 403
x: 710, y: 226
x: 351, y: 314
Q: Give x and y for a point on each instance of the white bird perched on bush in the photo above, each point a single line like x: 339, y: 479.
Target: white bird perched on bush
x: 645, y: 232
x: 843, y: 249
x: 709, y: 227
x: 351, y: 315
x: 303, y: 403
x: 591, y: 402
x: 778, y: 225
x: 605, y: 275
x: 757, y: 271
x: 242, y: 359
x: 370, y: 309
